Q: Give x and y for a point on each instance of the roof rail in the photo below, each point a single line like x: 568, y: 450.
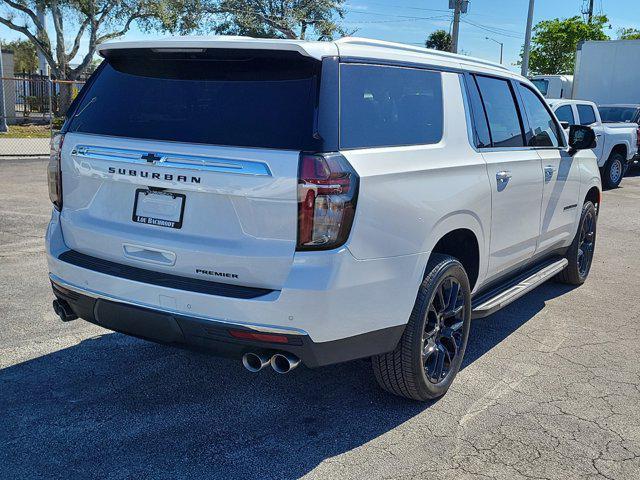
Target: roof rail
x: 411, y: 48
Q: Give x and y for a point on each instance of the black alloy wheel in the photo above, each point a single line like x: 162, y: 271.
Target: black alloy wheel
x: 443, y: 335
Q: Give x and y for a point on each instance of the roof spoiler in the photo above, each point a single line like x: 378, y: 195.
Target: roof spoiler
x: 315, y: 50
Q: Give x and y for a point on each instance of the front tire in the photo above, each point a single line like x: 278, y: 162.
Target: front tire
x: 613, y: 170
x: 580, y: 253
x: 430, y: 352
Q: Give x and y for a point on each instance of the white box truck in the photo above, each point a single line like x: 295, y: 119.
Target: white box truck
x: 607, y: 72
x: 554, y: 86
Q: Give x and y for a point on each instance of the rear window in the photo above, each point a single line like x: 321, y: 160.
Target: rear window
x: 384, y: 106
x: 237, y: 98
x: 618, y: 114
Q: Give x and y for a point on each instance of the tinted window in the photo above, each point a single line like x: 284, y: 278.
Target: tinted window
x: 499, y: 103
x: 243, y: 99
x: 586, y: 114
x: 543, y: 127
x: 565, y: 114
x: 483, y: 139
x: 618, y: 114
x: 542, y: 85
x: 387, y: 106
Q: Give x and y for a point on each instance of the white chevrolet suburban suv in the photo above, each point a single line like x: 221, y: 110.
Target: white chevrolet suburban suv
x: 294, y: 202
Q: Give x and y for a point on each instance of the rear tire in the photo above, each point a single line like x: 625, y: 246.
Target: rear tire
x: 430, y: 352
x: 613, y: 170
x: 580, y: 253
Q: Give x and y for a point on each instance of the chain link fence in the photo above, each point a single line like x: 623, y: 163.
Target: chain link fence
x: 32, y: 106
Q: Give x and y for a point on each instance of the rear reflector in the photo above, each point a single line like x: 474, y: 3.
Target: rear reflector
x: 54, y: 171
x: 260, y: 337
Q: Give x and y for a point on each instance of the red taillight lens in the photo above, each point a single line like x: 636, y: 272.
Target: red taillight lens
x: 54, y: 172
x: 327, y: 193
x: 638, y: 137
x: 260, y: 337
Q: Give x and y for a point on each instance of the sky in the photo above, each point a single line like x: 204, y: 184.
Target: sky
x: 411, y: 21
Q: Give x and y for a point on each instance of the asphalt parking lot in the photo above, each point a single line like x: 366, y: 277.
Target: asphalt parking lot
x: 550, y: 387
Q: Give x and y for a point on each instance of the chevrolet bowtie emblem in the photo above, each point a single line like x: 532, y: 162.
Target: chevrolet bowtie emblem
x: 151, y: 157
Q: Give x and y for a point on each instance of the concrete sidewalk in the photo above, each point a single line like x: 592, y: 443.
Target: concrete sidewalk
x: 17, y: 147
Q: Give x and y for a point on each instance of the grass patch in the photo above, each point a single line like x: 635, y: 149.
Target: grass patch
x: 27, y: 131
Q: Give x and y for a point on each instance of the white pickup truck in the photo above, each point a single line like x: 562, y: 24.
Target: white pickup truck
x: 617, y: 143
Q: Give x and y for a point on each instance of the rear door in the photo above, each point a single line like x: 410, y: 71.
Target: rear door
x: 188, y: 162
x: 515, y: 175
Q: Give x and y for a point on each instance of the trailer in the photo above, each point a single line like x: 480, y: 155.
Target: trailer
x: 606, y: 72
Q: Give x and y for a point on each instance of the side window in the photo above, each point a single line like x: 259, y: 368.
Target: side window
x: 502, y: 113
x: 586, y: 114
x: 389, y: 106
x: 545, y: 130
x: 565, y: 114
x: 480, y: 125
x: 542, y: 85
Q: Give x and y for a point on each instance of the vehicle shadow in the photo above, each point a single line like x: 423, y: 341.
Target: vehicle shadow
x: 634, y: 171
x: 118, y: 407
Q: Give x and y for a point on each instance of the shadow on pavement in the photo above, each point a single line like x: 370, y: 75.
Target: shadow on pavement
x: 118, y: 407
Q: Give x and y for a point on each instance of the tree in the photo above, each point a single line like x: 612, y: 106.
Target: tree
x: 25, y: 58
x: 439, y: 40
x: 554, y: 43
x: 94, y: 20
x: 303, y: 19
x: 629, y: 34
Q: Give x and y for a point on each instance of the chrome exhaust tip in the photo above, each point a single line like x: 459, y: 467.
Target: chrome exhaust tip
x: 63, y: 310
x: 254, y: 362
x: 284, y: 362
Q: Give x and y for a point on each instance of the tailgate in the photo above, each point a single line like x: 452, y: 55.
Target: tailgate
x: 187, y: 162
x: 237, y: 208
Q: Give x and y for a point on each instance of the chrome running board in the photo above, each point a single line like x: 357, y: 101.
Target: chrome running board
x: 503, y: 295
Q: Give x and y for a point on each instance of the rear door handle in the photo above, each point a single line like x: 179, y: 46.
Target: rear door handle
x: 503, y: 176
x: 549, y: 170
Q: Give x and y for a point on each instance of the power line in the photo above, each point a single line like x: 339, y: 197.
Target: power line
x: 390, y: 15
x: 391, y: 21
x: 492, y: 30
x: 405, y: 7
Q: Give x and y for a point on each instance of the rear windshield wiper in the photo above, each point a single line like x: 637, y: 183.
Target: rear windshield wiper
x: 89, y: 103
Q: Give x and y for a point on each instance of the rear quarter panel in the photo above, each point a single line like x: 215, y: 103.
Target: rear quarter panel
x: 412, y: 196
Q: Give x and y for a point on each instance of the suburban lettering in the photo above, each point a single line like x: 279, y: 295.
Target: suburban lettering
x: 169, y: 177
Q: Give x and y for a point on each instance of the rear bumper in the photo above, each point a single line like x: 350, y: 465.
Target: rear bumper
x: 337, y: 305
x: 214, y: 336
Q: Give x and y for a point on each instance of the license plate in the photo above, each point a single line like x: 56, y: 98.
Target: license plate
x: 163, y: 209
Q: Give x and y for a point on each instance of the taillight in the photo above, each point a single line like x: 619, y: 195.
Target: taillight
x: 54, y: 171
x: 638, y: 137
x: 327, y: 193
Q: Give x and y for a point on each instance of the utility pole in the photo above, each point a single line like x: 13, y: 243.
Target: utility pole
x: 3, y: 110
x: 456, y: 25
x: 527, y: 41
x: 42, y: 61
x: 590, y: 11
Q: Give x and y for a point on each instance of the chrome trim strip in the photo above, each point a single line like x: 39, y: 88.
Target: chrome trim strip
x: 172, y: 160
x: 258, y: 327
